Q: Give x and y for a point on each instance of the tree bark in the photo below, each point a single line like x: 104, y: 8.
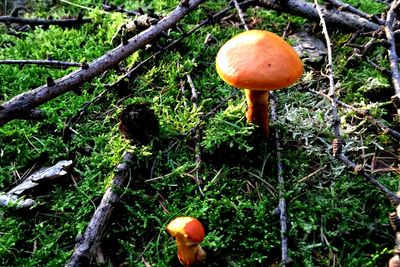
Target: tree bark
x: 88, y: 244
x: 22, y: 104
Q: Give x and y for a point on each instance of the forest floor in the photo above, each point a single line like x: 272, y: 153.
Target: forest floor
x: 195, y: 154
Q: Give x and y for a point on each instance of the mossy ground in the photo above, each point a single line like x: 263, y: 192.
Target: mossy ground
x: 335, y: 216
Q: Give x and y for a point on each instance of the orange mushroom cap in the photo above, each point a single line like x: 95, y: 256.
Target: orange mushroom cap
x: 189, y: 232
x: 186, y: 227
x: 258, y: 60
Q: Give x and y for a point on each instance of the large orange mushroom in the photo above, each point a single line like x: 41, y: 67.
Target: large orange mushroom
x: 258, y: 61
x: 188, y: 232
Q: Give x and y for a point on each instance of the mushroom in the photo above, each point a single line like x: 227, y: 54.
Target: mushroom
x: 394, y: 261
x: 258, y: 61
x: 188, y: 232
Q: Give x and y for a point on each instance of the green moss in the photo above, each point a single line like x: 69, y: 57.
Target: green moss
x: 335, y: 216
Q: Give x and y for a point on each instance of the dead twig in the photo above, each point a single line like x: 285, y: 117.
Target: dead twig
x: 332, y: 16
x: 89, y: 242
x: 23, y: 103
x: 337, y: 142
x: 110, y: 7
x: 60, y: 169
x: 346, y: 7
x: 364, y: 113
x: 241, y: 15
x: 283, y: 216
x: 48, y: 62
x: 391, y: 19
x: 71, y: 22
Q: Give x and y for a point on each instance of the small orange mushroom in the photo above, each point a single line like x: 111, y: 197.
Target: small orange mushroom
x: 258, y: 61
x: 188, y: 232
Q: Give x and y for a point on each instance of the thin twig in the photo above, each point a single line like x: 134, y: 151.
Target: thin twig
x: 198, y: 133
x: 364, y: 113
x: 391, y: 19
x: 49, y: 62
x: 283, y: 216
x: 337, y: 144
x: 194, y: 97
x: 109, y: 7
x: 36, y: 22
x: 241, y: 15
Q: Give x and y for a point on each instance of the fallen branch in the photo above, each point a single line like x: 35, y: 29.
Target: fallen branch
x: 12, y: 197
x: 89, y: 242
x: 241, y: 15
x: 283, y: 216
x: 45, y: 22
x: 48, y: 62
x: 333, y: 17
x: 391, y: 19
x: 23, y: 103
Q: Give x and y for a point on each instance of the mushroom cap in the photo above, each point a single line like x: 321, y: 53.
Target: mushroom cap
x: 258, y: 60
x: 187, y: 227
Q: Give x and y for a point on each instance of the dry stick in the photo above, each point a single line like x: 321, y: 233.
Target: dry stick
x: 337, y: 143
x: 197, y: 132
x: 241, y: 15
x: 365, y: 114
x: 88, y: 244
x: 332, y: 16
x: 343, y: 6
x: 37, y: 22
x: 48, y: 62
x: 210, y: 20
x: 393, y: 58
x: 120, y: 9
x: 25, y: 102
x: 283, y: 216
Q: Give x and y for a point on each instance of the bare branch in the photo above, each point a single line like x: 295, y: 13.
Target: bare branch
x: 241, y: 15
x: 283, y: 216
x: 393, y: 57
x: 24, y: 102
x: 87, y: 245
x: 346, y: 7
x: 48, y: 62
x: 36, y: 22
x: 333, y: 17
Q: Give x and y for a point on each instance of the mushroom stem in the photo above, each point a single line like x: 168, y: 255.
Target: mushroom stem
x: 190, y: 253
x: 257, y: 109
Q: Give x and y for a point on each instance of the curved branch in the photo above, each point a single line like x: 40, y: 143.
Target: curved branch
x: 332, y: 16
x: 23, y: 103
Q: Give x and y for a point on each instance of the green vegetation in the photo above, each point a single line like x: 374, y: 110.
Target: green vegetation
x: 335, y: 215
